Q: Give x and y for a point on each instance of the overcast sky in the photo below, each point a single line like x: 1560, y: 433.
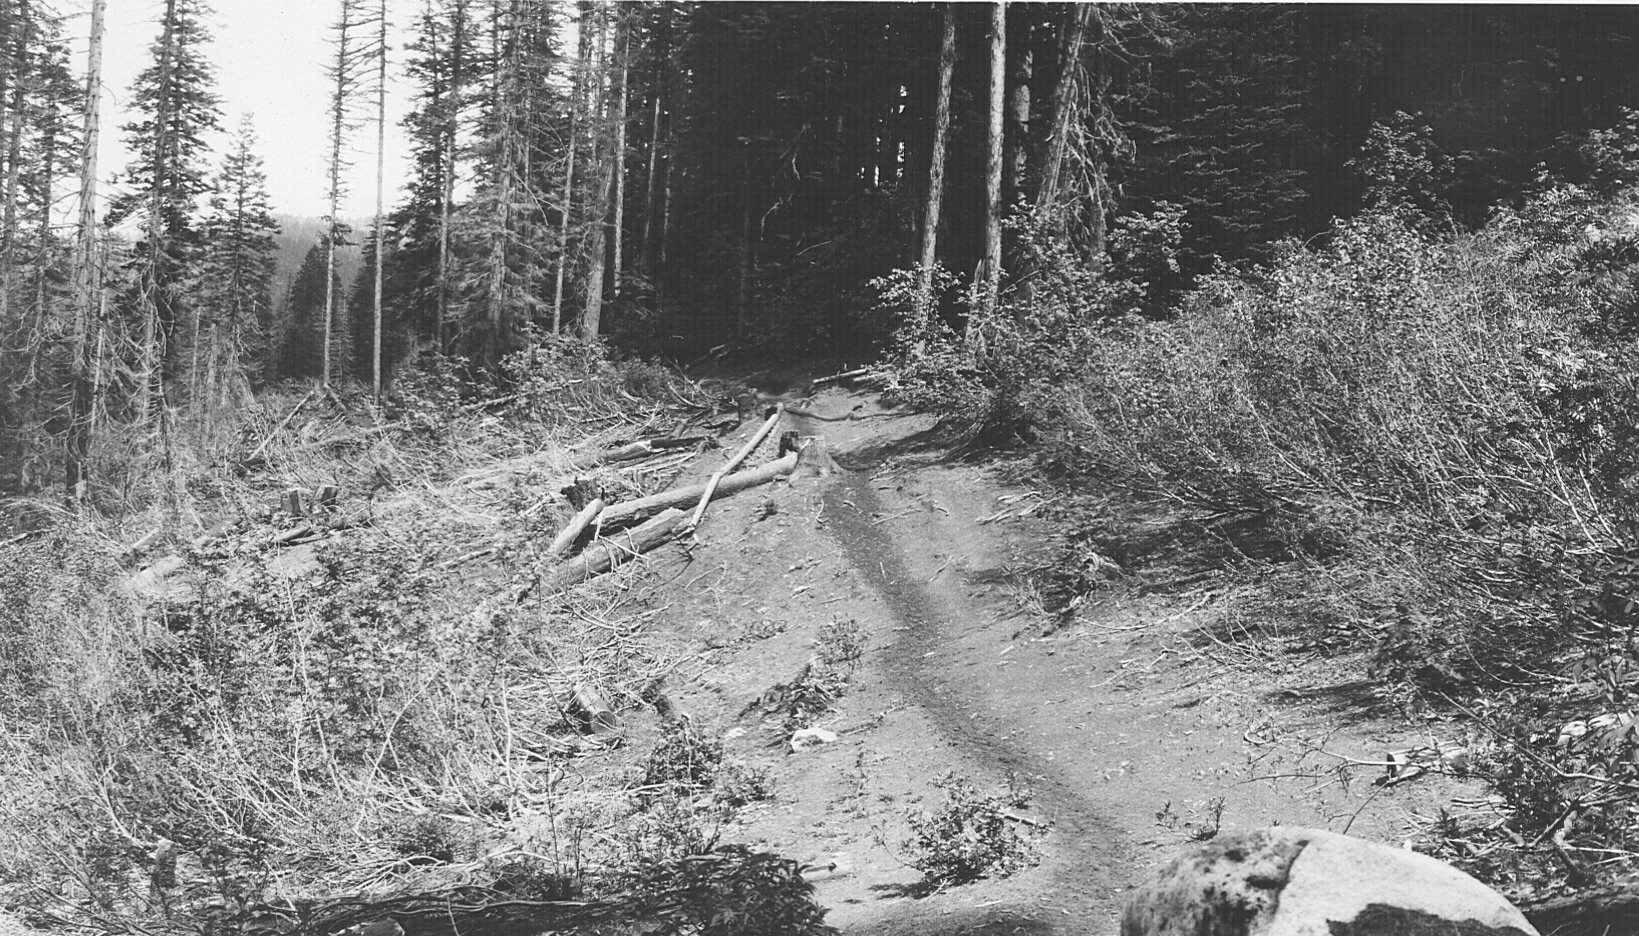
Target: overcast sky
x: 270, y: 58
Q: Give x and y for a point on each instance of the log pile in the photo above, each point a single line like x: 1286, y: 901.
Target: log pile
x: 662, y: 516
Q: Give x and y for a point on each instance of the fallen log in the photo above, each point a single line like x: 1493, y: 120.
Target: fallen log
x: 740, y: 456
x: 837, y: 378
x: 606, y: 553
x: 640, y: 449
x: 576, y: 526
x: 646, y: 506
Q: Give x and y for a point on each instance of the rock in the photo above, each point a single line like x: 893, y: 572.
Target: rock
x: 811, y: 737
x: 828, y: 867
x: 1309, y: 882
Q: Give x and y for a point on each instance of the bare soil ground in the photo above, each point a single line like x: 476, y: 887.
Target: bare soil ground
x: 1139, y: 721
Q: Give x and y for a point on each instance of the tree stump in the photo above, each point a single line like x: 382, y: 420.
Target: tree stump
x: 291, y: 502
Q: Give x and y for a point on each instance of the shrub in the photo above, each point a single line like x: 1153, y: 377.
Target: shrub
x: 967, y: 837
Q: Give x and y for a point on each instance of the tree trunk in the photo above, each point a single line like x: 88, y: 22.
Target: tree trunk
x: 729, y: 484
x: 1019, y: 113
x: 1063, y: 110
x: 583, y: 60
x: 14, y: 153
x: 452, y: 121
x: 381, y: 175
x: 990, y: 268
x: 936, y: 179
x: 85, y: 280
x: 748, y: 262
x: 598, y: 247
x: 651, y: 193
x: 617, y: 228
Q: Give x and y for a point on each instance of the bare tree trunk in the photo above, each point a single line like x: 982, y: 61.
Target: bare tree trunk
x: 458, y: 39
x: 14, y: 154
x: 651, y: 189
x: 936, y: 177
x: 748, y: 263
x: 505, y: 98
x: 990, y: 268
x: 381, y: 174
x: 338, y: 130
x: 1063, y: 110
x: 85, y: 280
x: 618, y: 226
x: 583, y: 58
x: 597, y: 249
x: 1019, y: 106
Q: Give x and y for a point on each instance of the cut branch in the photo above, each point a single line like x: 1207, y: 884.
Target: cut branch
x: 577, y: 525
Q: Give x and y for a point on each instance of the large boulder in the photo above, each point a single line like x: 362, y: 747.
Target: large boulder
x: 1308, y: 882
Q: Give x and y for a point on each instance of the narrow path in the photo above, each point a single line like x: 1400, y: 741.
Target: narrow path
x: 935, y: 611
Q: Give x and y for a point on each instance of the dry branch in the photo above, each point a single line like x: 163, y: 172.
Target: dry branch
x: 640, y: 449
x: 644, y: 506
x: 837, y: 378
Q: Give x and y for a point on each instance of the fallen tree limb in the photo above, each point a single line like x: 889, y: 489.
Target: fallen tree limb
x: 837, y: 378
x: 740, y: 456
x: 606, y: 553
x: 577, y: 524
x: 646, y: 506
x: 640, y: 449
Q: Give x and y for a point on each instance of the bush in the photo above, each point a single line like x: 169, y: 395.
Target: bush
x: 968, y: 837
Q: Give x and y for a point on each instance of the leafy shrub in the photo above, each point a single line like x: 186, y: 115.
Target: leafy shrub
x: 684, y: 761
x: 967, y: 837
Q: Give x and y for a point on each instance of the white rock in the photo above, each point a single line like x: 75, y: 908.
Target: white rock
x: 811, y: 737
x: 1309, y: 882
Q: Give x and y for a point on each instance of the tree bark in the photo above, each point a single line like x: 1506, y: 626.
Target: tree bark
x: 936, y: 179
x: 591, y: 322
x: 85, y: 279
x: 990, y: 268
x: 14, y: 152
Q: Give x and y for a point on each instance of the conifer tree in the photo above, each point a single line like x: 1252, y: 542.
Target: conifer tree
x: 177, y: 107
x: 236, y: 273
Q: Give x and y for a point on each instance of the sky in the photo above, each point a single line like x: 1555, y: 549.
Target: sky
x: 270, y: 58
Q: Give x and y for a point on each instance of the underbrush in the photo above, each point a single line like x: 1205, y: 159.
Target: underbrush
x: 361, y: 718
x: 1427, y: 441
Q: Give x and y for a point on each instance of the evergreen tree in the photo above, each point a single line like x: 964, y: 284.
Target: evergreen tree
x: 163, y: 183
x: 302, y: 348
x: 235, y: 305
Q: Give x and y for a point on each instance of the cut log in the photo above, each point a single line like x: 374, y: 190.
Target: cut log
x: 577, y: 525
x: 740, y: 456
x: 647, y: 506
x: 609, y: 552
x: 591, y: 713
x: 295, y: 535
x: 837, y: 378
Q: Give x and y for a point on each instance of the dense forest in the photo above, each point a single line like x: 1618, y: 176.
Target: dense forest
x: 671, y: 178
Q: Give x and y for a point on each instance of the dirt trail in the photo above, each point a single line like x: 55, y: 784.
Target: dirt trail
x: 1139, y: 724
